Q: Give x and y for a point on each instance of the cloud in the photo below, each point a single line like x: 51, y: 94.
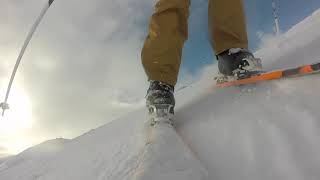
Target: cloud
x: 2, y: 149
x: 82, y: 68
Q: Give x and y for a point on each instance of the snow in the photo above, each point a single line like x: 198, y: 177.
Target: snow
x: 175, y: 162
x: 297, y: 46
x: 2, y: 159
x: 267, y: 131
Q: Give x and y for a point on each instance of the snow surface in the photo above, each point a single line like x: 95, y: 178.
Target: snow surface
x: 2, y: 159
x: 267, y: 131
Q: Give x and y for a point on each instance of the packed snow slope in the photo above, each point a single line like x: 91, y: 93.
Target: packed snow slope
x: 267, y: 131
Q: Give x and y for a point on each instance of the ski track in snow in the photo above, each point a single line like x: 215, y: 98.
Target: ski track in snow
x: 265, y: 131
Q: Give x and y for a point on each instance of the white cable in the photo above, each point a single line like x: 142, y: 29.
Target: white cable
x: 4, y: 105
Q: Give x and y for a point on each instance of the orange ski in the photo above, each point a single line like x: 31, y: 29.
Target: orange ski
x: 277, y: 74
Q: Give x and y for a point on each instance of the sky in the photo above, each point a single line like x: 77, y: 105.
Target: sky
x: 82, y: 68
x: 197, y: 51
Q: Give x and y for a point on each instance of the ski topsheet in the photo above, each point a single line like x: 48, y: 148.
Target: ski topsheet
x: 272, y: 75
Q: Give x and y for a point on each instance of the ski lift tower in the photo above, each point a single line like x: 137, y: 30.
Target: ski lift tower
x: 276, y: 18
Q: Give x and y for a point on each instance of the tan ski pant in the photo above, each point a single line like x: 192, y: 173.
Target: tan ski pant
x: 168, y: 30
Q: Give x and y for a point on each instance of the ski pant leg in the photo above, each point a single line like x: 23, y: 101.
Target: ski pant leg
x: 162, y: 50
x: 227, y: 25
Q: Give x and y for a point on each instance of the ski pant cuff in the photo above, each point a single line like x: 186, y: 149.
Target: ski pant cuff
x: 165, y: 78
x: 228, y: 46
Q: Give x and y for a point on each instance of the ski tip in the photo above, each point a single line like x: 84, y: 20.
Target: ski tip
x: 50, y: 2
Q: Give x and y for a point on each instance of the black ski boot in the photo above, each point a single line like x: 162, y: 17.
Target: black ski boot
x: 160, y: 102
x: 237, y: 63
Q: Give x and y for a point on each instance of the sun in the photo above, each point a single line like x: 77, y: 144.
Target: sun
x: 18, y: 117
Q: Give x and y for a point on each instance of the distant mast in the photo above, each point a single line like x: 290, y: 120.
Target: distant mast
x: 276, y: 18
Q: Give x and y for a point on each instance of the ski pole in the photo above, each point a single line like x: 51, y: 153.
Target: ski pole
x: 4, y: 105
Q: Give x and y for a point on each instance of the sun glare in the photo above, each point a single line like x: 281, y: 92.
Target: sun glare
x: 18, y: 117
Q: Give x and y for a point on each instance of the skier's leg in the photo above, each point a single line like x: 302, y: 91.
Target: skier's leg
x: 227, y: 25
x: 161, y: 56
x: 168, y: 30
x: 229, y: 40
